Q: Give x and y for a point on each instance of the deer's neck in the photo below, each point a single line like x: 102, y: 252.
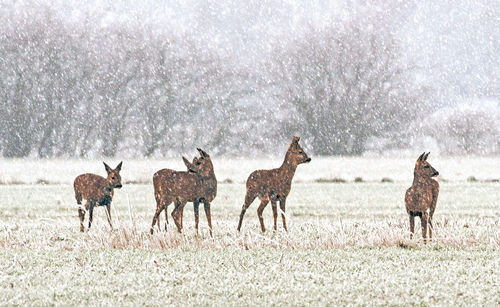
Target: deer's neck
x: 287, y: 169
x: 208, y: 186
x: 108, y: 189
x: 420, y: 180
x: 209, y: 178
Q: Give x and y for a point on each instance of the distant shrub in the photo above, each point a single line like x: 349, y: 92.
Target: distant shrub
x: 385, y: 179
x: 492, y: 180
x: 472, y: 179
x: 330, y: 180
x: 227, y: 180
x: 358, y: 179
x: 42, y: 181
x: 466, y: 129
x: 13, y: 182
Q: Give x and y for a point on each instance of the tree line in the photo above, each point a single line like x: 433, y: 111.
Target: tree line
x: 95, y: 86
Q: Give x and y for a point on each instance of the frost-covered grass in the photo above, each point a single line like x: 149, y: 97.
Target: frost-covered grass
x: 320, y: 215
x: 378, y: 276
x: 347, y: 243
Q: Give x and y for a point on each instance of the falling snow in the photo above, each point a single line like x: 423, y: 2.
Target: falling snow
x: 159, y: 78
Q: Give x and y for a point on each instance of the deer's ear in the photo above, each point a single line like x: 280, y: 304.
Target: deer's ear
x: 108, y: 169
x: 425, y: 157
x: 119, y: 166
x: 187, y: 163
x: 202, y: 153
x: 421, y: 157
x: 295, y: 141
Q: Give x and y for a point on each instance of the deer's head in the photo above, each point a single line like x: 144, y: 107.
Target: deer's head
x: 296, y: 154
x: 114, y: 179
x: 201, y: 165
x: 423, y: 168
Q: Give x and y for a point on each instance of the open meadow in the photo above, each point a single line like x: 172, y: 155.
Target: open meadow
x: 348, y: 242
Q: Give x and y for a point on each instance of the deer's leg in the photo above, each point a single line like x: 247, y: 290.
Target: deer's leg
x: 165, y: 206
x: 155, y: 217
x: 430, y: 228
x: 182, y: 213
x: 196, y: 206
x: 81, y: 214
x: 209, y: 216
x: 158, y: 203
x: 249, y: 198
x: 263, y: 204
x: 423, y: 219
x: 282, y: 208
x: 78, y: 197
x: 108, y: 215
x: 275, y: 213
x: 412, y: 225
x: 91, y: 213
x: 177, y: 214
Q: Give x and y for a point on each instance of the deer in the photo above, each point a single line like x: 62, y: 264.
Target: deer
x: 163, y: 172
x: 97, y: 191
x: 421, y: 197
x: 197, y: 185
x: 274, y: 185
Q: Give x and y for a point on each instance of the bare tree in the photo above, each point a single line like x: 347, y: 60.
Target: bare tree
x: 102, y: 84
x: 465, y: 129
x: 345, y: 83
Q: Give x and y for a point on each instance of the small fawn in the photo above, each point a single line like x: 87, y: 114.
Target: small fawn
x: 196, y: 185
x: 98, y: 191
x: 274, y: 185
x: 421, y: 197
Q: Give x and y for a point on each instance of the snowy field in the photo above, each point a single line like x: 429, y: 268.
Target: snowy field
x: 347, y: 243
x: 237, y: 170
